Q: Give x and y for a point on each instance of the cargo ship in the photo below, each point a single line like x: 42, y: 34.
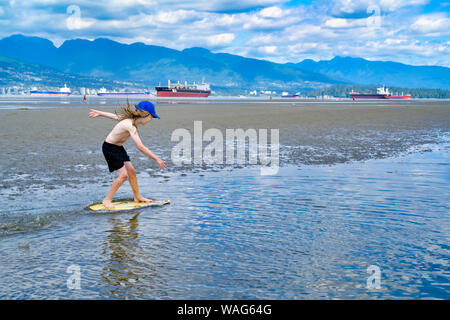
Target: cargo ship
x: 287, y: 95
x: 201, y: 90
x: 104, y: 93
x: 382, y: 93
x: 63, y: 92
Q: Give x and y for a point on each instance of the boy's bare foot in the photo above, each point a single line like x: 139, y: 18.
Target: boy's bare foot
x: 108, y: 204
x: 142, y: 199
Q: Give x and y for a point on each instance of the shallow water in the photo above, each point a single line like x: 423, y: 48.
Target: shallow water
x: 309, y: 232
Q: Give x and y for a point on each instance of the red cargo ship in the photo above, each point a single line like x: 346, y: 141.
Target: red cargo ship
x: 382, y: 93
x: 201, y: 90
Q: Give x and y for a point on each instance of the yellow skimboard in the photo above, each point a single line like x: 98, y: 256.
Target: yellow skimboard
x: 126, y: 205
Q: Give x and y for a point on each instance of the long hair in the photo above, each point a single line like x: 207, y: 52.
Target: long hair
x: 129, y: 111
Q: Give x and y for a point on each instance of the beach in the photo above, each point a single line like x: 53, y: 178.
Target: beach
x: 49, y: 143
x: 361, y: 183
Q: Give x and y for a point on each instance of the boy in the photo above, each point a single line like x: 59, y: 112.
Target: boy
x: 114, y: 152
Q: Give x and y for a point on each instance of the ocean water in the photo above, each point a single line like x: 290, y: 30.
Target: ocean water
x: 309, y: 232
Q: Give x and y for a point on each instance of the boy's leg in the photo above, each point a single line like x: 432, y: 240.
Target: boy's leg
x: 133, y: 182
x: 121, y: 178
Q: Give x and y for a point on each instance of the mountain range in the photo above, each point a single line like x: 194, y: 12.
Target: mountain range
x: 108, y: 61
x: 365, y: 72
x: 18, y: 73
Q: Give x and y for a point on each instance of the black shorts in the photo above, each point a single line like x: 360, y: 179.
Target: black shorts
x: 115, y: 156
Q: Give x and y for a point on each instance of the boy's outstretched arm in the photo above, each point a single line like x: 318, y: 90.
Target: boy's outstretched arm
x: 97, y: 113
x: 137, y: 140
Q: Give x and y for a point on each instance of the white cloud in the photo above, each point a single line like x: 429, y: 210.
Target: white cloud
x: 339, y: 7
x: 345, y: 23
x: 173, y: 16
x: 128, y: 3
x: 74, y: 20
x: 221, y: 39
x: 432, y: 24
x: 217, y: 5
x: 308, y: 50
x: 262, y: 39
x: 268, y: 49
x: 271, y: 12
x: 228, y: 20
x: 255, y: 22
x: 258, y: 28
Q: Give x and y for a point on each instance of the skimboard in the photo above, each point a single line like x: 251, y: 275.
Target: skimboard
x: 126, y: 205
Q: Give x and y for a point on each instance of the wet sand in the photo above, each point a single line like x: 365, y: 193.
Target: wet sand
x: 62, y: 146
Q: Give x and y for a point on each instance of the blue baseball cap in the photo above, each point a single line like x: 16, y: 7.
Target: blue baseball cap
x: 147, y: 106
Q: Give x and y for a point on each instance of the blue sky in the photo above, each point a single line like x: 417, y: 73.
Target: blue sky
x: 414, y: 32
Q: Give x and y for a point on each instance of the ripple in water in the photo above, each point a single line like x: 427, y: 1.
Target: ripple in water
x: 302, y: 234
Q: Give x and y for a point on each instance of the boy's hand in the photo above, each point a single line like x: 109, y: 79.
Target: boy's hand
x: 94, y: 113
x: 162, y: 164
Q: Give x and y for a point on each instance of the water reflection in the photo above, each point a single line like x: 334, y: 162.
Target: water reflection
x: 123, y: 271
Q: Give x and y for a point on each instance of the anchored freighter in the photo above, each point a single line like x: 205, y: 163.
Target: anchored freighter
x: 178, y: 90
x: 63, y: 92
x: 382, y: 93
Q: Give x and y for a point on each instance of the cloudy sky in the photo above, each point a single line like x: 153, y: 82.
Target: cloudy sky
x: 410, y: 31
